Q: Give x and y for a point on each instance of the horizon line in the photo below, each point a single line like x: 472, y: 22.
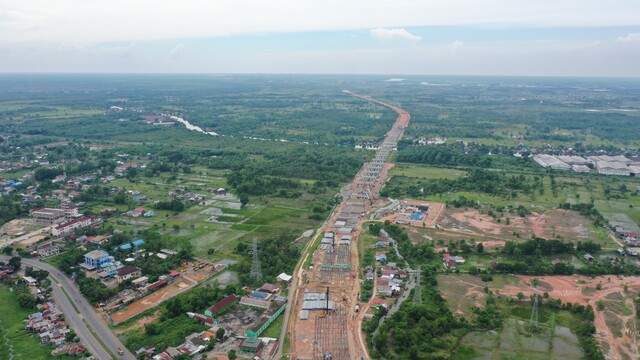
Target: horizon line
x: 628, y: 77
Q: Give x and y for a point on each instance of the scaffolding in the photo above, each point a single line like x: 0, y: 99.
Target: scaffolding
x: 337, y: 262
x: 331, y: 337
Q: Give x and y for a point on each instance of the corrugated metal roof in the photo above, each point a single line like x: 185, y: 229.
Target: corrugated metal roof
x: 315, y: 296
x: 318, y: 305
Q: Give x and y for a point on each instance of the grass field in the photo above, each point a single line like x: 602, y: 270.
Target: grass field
x: 515, y: 341
x: 25, y: 345
x: 273, y: 331
x: 425, y: 172
x: 553, y: 340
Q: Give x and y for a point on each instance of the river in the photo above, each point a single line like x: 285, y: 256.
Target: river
x: 190, y: 126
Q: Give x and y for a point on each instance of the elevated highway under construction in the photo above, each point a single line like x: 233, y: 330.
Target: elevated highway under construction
x: 331, y: 332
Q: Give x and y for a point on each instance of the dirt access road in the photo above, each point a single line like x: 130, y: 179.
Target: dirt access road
x: 302, y: 331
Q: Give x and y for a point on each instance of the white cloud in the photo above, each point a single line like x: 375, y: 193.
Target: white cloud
x: 382, y: 34
x: 457, y: 45
x: 177, y: 51
x: 94, y: 21
x: 629, y: 38
x: 19, y: 21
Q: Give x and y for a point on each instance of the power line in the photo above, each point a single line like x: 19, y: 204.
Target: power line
x: 417, y: 293
x: 533, y: 322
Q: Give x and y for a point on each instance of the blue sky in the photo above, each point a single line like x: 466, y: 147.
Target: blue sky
x: 456, y: 37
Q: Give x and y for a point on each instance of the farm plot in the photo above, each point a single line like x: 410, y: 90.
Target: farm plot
x: 514, y: 341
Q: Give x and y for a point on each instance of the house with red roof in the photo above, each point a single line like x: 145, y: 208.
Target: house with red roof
x: 68, y: 227
x: 222, y: 305
x: 269, y: 288
x: 379, y: 302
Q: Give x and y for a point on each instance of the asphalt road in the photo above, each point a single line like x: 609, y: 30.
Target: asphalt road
x: 84, y: 312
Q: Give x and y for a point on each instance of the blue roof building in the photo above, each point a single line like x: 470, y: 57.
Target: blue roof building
x: 96, y: 258
x: 111, y: 268
x: 260, y: 295
x: 416, y: 216
x: 381, y: 256
x: 138, y: 242
x: 126, y: 246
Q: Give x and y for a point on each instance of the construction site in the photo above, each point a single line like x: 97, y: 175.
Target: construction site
x: 327, y: 292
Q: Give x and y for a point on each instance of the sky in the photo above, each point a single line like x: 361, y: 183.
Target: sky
x: 435, y: 37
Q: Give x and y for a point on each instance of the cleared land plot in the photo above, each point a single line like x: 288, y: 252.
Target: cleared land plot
x: 463, y: 291
x: 152, y: 300
x: 18, y: 226
x: 240, y: 319
x: 552, y: 224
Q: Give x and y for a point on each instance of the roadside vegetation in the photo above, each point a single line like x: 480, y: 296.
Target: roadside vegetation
x: 14, y: 339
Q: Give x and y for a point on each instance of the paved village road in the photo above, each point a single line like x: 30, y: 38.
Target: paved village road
x: 92, y: 330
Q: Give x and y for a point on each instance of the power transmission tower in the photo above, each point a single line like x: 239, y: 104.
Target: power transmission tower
x: 256, y: 271
x: 533, y: 323
x: 417, y: 293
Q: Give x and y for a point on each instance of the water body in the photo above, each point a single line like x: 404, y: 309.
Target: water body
x: 190, y: 126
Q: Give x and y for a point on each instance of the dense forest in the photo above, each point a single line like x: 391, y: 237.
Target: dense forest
x: 442, y: 155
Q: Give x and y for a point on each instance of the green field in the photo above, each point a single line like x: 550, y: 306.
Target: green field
x: 515, y: 341
x: 273, y: 331
x: 425, y: 172
x: 25, y: 345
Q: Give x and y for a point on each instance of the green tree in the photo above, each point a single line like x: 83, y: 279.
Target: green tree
x: 120, y: 198
x: 174, y: 307
x: 244, y: 199
x: 15, y: 262
x: 220, y: 333
x: 374, y: 228
x: 26, y: 300
x: 71, y: 335
x: 151, y: 329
